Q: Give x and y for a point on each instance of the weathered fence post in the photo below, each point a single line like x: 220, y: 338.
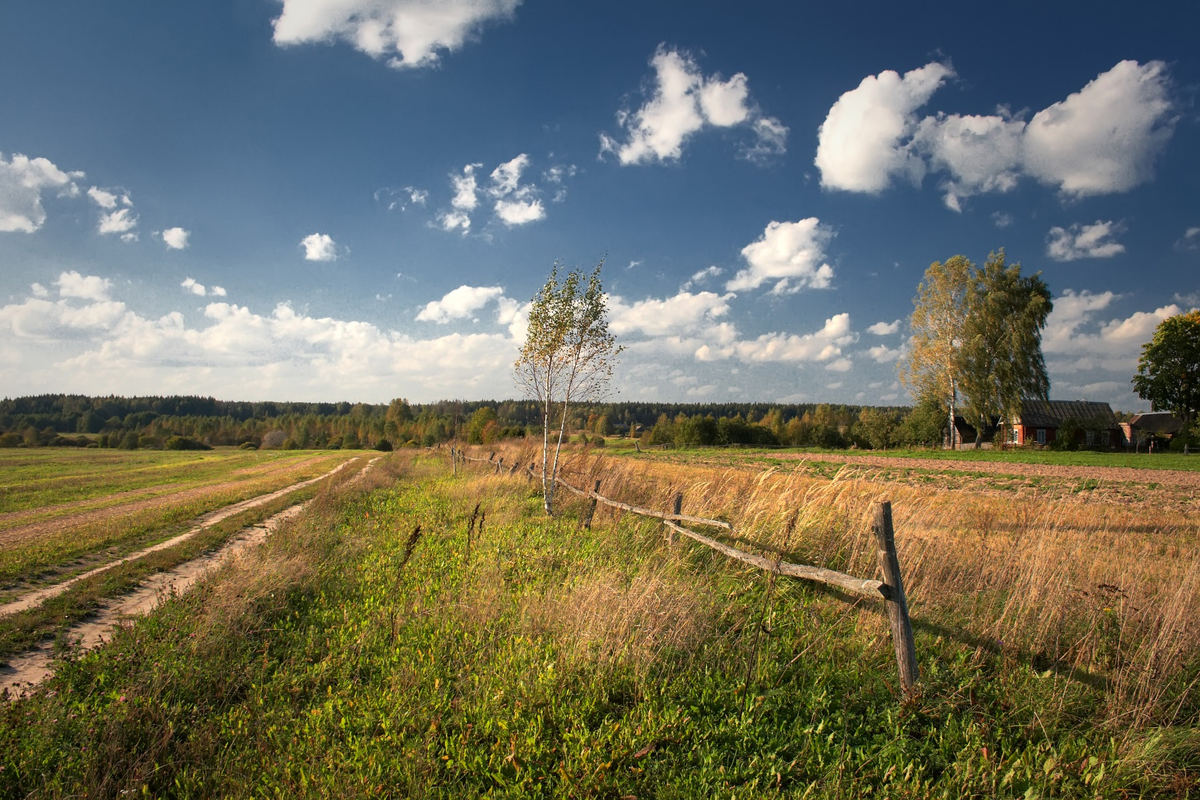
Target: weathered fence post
x: 637, y: 446
x: 587, y: 519
x: 676, y: 510
x: 896, y: 602
x: 500, y: 465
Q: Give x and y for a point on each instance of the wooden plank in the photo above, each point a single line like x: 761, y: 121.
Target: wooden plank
x: 896, y: 602
x: 857, y: 586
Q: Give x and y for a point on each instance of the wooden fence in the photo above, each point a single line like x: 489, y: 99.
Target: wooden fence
x: 890, y: 589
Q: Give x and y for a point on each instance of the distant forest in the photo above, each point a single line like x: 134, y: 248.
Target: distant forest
x: 175, y: 422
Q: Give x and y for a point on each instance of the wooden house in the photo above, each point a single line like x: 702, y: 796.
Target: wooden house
x: 1093, y: 423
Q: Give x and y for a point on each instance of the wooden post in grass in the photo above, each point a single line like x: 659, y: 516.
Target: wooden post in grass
x: 676, y: 510
x: 587, y: 519
x: 500, y: 465
x: 896, y: 602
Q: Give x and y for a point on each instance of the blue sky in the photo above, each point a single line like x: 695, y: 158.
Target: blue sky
x: 355, y: 199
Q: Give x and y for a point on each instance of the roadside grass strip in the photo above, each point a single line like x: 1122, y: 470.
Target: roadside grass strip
x: 365, y: 650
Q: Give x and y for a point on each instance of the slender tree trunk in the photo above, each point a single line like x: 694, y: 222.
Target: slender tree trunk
x: 546, y: 485
x: 562, y: 426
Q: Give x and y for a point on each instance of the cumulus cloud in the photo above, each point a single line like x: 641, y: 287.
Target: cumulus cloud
x: 235, y: 349
x: 201, y: 290
x: 176, y: 238
x: 319, y: 247
x: 90, y: 287
x: 39, y: 290
x: 703, y: 276
x: 1100, y: 140
x: 122, y: 221
x: 519, y: 212
x: 1078, y: 337
x: 1104, y: 138
x: 1084, y: 241
x: 682, y: 314
x: 22, y: 182
x: 408, y: 33
x: 884, y: 328
x: 455, y: 220
x: 682, y: 102
x: 460, y: 303
x: 823, y: 345
x: 464, y: 188
x: 102, y: 198
x: 789, y: 253
x: 882, y: 354
x: 859, y: 145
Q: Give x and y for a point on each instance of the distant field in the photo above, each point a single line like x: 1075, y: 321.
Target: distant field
x: 62, y: 510
x: 1158, y: 461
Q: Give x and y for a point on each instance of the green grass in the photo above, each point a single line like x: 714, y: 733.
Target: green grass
x: 551, y: 662
x: 78, y: 547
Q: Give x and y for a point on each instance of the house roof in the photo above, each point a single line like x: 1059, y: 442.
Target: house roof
x: 1157, y: 422
x: 1052, y: 413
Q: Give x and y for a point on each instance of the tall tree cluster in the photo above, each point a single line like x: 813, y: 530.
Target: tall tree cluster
x: 977, y: 340
x: 1169, y: 368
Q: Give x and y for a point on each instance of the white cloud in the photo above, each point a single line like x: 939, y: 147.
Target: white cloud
x: 319, y: 247
x: 1100, y: 140
x: 102, y: 198
x: 684, y: 313
x: 409, y: 33
x: 519, y: 212
x: 193, y: 287
x: 1084, y: 241
x: 417, y: 196
x: 1190, y: 240
x: 790, y: 253
x: 176, y: 238
x: 859, y: 145
x: 840, y: 365
x: 22, y: 181
x: 39, y: 290
x: 823, y: 345
x: 506, y: 178
x: 464, y: 189
x: 1104, y: 138
x: 683, y: 101
x: 453, y: 220
x: 882, y: 354
x: 1002, y: 219
x: 702, y: 276
x: 884, y: 328
x: 91, y: 287
x: 217, y: 291
x: 123, y: 220
x: 1078, y: 339
x: 460, y: 303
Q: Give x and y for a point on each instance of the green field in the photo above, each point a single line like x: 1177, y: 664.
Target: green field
x: 355, y: 656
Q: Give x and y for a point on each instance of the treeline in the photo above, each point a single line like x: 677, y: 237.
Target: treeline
x: 75, y: 420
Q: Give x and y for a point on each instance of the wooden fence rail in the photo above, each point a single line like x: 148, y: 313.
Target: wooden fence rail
x: 890, y: 589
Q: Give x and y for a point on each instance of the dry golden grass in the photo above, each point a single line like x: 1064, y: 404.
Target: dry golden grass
x: 1102, y: 592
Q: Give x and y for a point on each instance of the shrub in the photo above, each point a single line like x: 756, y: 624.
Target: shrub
x: 384, y: 446
x: 10, y: 439
x: 274, y: 439
x: 247, y: 446
x: 290, y: 444
x: 184, y: 443
x: 129, y: 441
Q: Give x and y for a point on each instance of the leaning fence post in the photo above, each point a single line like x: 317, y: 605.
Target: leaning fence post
x: 587, y: 520
x: 676, y: 510
x: 500, y: 465
x: 896, y: 602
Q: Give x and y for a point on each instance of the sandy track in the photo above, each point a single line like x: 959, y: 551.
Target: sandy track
x: 39, y: 596
x: 131, y: 494
x: 61, y: 524
x: 25, y: 672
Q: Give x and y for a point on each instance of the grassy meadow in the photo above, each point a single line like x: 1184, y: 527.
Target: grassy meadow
x: 424, y: 634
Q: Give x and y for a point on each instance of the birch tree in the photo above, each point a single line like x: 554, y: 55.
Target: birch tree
x: 931, y: 371
x: 1001, y: 355
x: 568, y: 357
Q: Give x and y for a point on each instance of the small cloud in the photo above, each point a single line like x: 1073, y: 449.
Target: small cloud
x: 788, y: 253
x: 834, y: 385
x: 193, y: 287
x: 91, y: 287
x: 416, y: 196
x: 454, y: 220
x: 1189, y: 241
x: 102, y: 198
x: 882, y: 354
x: 459, y: 303
x: 217, y: 291
x: 702, y: 276
x: 634, y: 264
x: 1002, y: 219
x: 123, y: 220
x: 176, y: 238
x: 519, y: 212
x: 884, y: 328
x: 1084, y: 241
x: 319, y: 247
x: 840, y: 365
x: 129, y: 237
x: 39, y: 290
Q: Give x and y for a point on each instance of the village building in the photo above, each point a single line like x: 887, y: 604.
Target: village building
x: 1090, y: 424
